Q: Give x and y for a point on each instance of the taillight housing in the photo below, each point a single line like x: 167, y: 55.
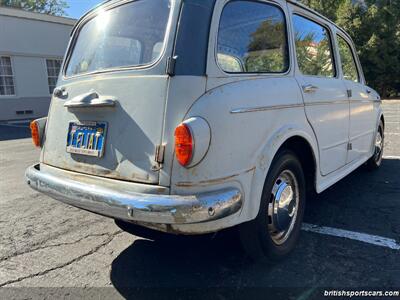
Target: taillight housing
x: 35, y: 133
x: 184, y: 144
x: 192, y: 141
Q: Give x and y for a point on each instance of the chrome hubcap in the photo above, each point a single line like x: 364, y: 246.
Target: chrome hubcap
x: 283, y: 207
x: 378, y: 145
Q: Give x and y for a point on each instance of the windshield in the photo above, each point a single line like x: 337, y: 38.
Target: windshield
x: 128, y: 35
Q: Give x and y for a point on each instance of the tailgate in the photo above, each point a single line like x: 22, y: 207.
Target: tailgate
x: 133, y: 131
x: 109, y: 119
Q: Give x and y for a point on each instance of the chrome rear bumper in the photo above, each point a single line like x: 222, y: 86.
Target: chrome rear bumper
x: 108, y: 198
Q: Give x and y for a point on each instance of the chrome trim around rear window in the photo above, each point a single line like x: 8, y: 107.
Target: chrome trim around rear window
x: 106, y: 6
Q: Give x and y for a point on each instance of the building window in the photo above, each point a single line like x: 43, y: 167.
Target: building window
x: 6, y: 77
x: 252, y: 38
x: 53, y: 69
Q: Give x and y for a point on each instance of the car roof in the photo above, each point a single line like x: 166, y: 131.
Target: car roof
x: 294, y: 2
x: 305, y: 7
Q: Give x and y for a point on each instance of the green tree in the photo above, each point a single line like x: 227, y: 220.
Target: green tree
x: 51, y: 7
x: 267, y: 51
x: 328, y: 8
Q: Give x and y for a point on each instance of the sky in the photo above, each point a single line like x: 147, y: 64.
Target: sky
x: 78, y: 7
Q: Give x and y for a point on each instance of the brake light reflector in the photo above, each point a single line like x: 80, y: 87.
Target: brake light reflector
x: 35, y: 133
x: 183, y: 144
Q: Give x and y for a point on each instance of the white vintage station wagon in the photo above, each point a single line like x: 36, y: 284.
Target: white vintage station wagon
x: 192, y: 116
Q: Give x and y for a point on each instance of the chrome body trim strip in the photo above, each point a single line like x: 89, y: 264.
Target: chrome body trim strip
x: 327, y: 103
x: 274, y: 107
x: 362, y: 135
x: 335, y: 145
x: 264, y: 108
x: 109, y: 200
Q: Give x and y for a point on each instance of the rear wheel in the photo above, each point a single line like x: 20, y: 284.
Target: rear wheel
x: 376, y: 160
x: 275, y: 231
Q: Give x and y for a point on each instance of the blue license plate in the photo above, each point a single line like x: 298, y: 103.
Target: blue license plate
x: 87, y: 138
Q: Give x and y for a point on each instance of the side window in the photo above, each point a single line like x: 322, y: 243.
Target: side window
x: 313, y: 48
x: 252, y: 38
x: 349, y: 66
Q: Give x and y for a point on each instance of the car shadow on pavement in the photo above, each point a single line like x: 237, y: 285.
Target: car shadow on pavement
x: 179, y: 262
x: 218, y: 268
x: 202, y: 267
x: 365, y: 201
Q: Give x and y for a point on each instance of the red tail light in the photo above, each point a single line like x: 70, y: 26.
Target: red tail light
x: 183, y: 144
x: 35, y: 133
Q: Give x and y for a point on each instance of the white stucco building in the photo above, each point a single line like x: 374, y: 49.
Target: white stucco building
x: 32, y: 46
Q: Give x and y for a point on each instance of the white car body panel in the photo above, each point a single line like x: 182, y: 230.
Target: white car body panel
x: 250, y: 116
x: 327, y: 110
x: 128, y: 122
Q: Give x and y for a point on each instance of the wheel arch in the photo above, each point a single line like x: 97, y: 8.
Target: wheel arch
x: 304, y: 152
x: 303, y: 143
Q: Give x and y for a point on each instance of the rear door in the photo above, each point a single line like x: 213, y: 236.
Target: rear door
x: 362, y: 111
x: 324, y: 94
x: 106, y: 117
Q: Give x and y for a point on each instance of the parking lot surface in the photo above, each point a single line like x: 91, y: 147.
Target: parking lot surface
x: 44, y: 243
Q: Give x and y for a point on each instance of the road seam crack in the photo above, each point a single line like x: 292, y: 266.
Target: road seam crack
x: 16, y: 254
x: 76, y: 259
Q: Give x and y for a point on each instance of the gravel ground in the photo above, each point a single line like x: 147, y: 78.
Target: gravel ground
x: 45, y: 245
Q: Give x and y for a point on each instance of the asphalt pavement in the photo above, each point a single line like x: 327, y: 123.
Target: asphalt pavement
x: 45, y: 245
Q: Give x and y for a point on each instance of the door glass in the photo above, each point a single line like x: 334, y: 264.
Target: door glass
x: 313, y: 48
x: 252, y: 38
x: 349, y: 66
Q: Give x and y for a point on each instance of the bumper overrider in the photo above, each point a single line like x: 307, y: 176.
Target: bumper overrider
x: 111, y: 200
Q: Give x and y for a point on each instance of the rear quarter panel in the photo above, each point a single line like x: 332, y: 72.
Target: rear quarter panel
x: 244, y: 144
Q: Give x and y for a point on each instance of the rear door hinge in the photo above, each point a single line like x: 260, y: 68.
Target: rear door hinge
x: 349, y: 146
x: 160, y: 151
x: 171, y: 65
x: 349, y: 93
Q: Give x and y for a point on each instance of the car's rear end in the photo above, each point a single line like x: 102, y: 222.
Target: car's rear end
x: 107, y: 144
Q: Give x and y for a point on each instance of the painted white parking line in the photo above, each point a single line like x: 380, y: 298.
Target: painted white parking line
x: 357, y: 236
x: 391, y: 157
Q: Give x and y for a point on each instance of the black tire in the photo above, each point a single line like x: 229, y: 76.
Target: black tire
x: 256, y: 236
x: 376, y: 160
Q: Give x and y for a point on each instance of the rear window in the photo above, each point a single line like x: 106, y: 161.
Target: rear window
x: 130, y: 35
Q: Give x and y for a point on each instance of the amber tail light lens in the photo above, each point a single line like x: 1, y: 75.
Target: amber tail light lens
x: 35, y: 133
x: 183, y: 144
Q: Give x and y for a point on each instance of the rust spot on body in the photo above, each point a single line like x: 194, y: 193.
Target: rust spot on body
x: 211, y: 181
